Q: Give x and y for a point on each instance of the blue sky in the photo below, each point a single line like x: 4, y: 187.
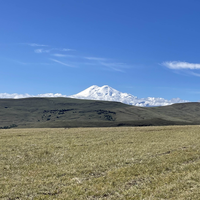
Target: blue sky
x: 145, y: 48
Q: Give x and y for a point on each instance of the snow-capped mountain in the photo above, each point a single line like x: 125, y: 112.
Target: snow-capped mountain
x: 107, y: 93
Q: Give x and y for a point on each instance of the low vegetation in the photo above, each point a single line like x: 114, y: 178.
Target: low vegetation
x: 100, y: 163
x: 8, y: 127
x: 68, y: 112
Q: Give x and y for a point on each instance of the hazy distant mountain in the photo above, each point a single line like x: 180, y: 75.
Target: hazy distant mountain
x: 107, y: 93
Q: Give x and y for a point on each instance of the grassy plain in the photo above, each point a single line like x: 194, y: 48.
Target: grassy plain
x: 100, y: 163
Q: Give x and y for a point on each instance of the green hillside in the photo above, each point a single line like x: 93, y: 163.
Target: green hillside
x: 68, y: 112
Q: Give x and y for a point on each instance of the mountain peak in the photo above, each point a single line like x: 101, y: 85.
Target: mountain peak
x: 105, y: 86
x: 103, y: 93
x: 108, y: 93
x: 102, y: 87
x: 93, y: 86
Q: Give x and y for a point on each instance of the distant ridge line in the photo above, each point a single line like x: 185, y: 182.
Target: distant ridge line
x: 68, y: 112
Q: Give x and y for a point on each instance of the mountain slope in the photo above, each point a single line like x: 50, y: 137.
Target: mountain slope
x: 107, y: 93
x: 69, y: 112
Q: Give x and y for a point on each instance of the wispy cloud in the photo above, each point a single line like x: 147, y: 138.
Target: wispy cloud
x: 36, y: 45
x: 43, y: 50
x: 52, y: 49
x: 181, y: 65
x: 114, y: 66
x: 32, y: 44
x: 194, y: 74
x: 59, y: 55
x: 62, y: 55
x: 105, y: 62
x: 95, y: 58
x: 62, y: 63
x: 66, y: 49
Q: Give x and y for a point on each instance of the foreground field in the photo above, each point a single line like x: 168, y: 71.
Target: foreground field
x: 100, y: 163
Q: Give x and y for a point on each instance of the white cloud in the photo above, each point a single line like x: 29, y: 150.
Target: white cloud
x: 62, y: 63
x: 51, y: 95
x: 20, y: 96
x: 181, y: 65
x: 13, y: 96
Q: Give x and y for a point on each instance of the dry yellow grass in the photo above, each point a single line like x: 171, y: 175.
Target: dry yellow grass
x: 100, y: 163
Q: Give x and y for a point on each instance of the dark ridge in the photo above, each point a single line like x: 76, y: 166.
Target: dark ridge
x: 68, y: 112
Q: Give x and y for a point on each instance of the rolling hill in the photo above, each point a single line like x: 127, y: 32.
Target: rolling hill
x: 69, y: 112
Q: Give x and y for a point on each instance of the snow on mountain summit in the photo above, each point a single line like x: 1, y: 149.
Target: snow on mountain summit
x: 108, y: 93
x: 103, y: 93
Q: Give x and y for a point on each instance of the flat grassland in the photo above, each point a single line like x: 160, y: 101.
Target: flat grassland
x: 100, y: 163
